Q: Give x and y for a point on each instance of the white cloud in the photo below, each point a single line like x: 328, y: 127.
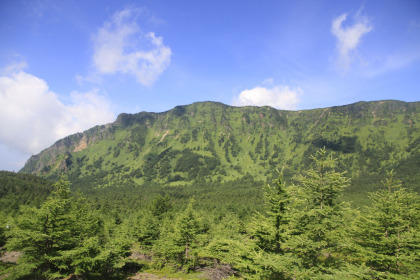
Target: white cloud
x: 120, y: 46
x: 11, y: 68
x: 33, y: 117
x: 392, y: 63
x: 87, y: 110
x: 268, y: 82
x: 280, y: 97
x: 348, y: 38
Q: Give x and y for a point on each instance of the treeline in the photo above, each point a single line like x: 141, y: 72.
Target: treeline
x: 303, y: 231
x: 17, y: 189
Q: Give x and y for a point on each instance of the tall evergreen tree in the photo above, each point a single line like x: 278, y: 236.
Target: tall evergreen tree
x: 149, y: 221
x: 227, y: 243
x: 179, y: 239
x: 388, y: 235
x: 63, y: 237
x: 271, y: 226
x: 187, y: 227
x: 269, y: 231
x: 42, y: 234
x: 319, y: 227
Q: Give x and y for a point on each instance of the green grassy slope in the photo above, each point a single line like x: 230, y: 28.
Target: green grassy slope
x: 212, y: 142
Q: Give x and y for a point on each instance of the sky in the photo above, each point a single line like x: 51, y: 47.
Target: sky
x: 66, y: 66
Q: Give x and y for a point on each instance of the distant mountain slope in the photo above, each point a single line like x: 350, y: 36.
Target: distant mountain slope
x: 213, y: 142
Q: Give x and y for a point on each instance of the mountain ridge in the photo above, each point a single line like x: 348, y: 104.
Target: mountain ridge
x: 122, y: 116
x: 213, y: 142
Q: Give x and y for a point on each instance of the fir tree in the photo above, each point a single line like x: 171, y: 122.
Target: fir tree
x: 270, y: 231
x: 319, y: 227
x: 228, y: 245
x: 187, y: 227
x: 42, y: 234
x: 387, y: 235
x: 63, y: 237
x: 179, y: 239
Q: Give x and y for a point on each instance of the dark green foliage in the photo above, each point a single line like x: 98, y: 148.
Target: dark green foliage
x: 179, y: 243
x: 179, y: 111
x: 185, y: 138
x: 147, y: 228
x: 194, y: 164
x: 160, y: 206
x: 126, y: 120
x: 232, y: 228
x: 227, y: 242
x: 301, y: 234
x: 266, y: 148
x: 21, y: 189
x: 270, y: 230
x: 69, y: 160
x: 137, y: 173
x: 259, y: 147
x: 219, y: 137
x: 319, y: 228
x: 63, y: 236
x: 345, y: 144
x: 194, y: 134
x: 138, y: 135
x: 98, y: 163
x: 388, y: 233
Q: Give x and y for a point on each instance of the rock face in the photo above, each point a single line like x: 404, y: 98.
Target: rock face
x: 210, y: 142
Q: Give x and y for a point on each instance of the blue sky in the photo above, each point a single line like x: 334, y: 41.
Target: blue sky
x: 66, y: 66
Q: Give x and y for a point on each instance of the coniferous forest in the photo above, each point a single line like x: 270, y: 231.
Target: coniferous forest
x: 301, y: 230
x: 210, y: 191
x: 209, y: 140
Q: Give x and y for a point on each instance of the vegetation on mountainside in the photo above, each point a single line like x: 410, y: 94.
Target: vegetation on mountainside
x: 301, y: 231
x: 214, y: 143
x: 194, y: 192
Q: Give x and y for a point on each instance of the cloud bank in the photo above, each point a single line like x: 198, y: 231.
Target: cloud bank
x: 34, y: 117
x: 348, y: 38
x: 120, y: 46
x: 280, y: 97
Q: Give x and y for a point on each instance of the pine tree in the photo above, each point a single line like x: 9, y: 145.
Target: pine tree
x: 388, y: 235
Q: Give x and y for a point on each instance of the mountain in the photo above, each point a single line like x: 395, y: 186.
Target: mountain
x: 212, y: 142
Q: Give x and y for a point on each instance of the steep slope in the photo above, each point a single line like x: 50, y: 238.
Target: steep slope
x: 213, y: 142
